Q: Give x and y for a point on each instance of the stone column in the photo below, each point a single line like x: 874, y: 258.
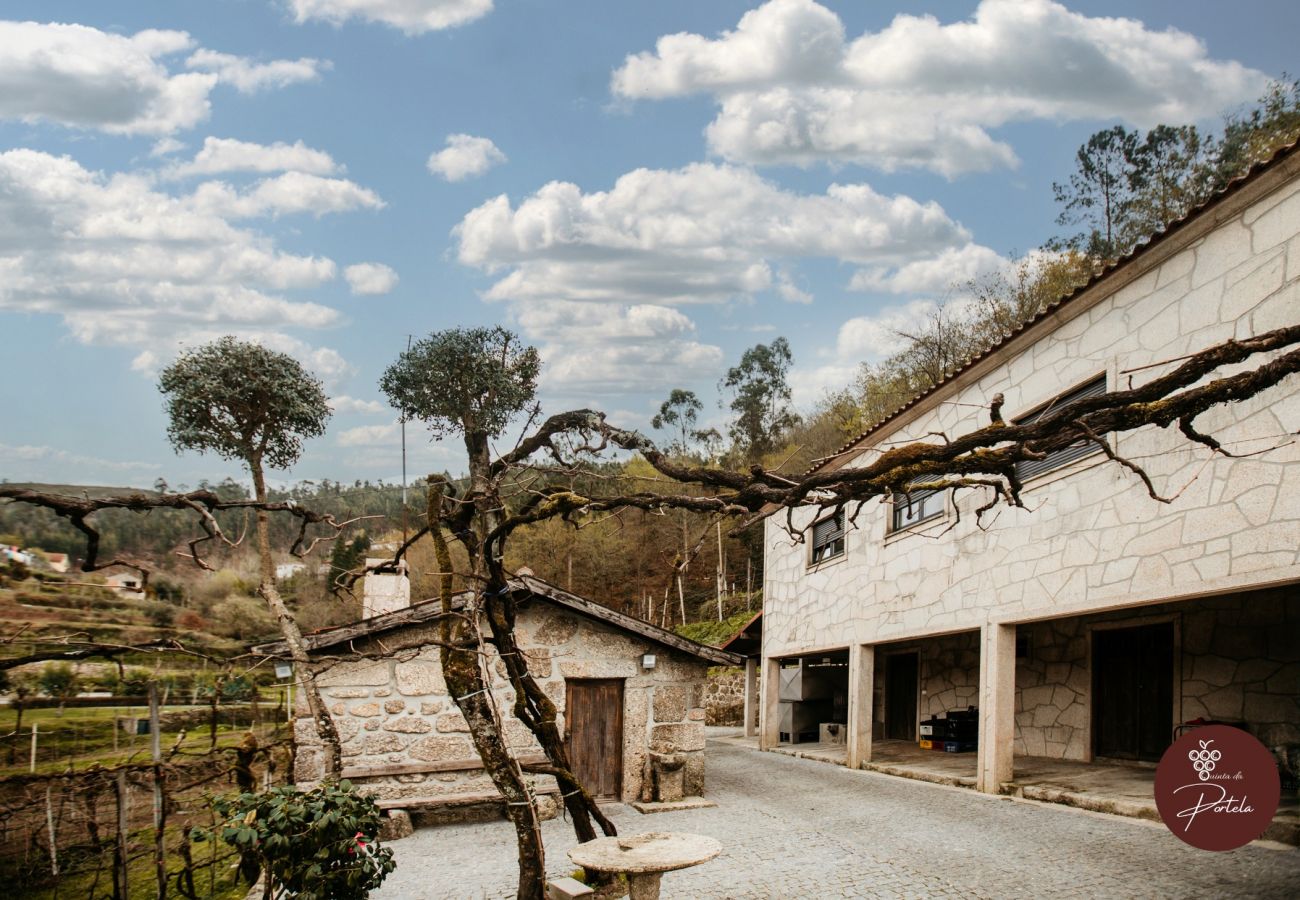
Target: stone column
x: 997, y: 706
x: 751, y: 696
x: 862, y: 673
x: 769, y: 723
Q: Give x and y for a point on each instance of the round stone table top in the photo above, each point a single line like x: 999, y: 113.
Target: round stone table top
x: 655, y: 851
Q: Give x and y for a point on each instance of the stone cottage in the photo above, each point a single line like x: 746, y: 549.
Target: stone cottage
x: 1096, y: 624
x: 626, y: 691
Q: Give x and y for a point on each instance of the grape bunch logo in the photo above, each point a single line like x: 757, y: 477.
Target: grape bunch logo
x: 1217, y: 788
x: 1205, y: 759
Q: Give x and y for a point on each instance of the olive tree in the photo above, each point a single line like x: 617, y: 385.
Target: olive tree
x: 245, y: 402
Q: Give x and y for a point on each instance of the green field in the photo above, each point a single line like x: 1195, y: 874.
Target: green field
x: 83, y: 737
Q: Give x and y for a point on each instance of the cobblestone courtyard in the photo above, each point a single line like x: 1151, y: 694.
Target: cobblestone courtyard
x: 793, y: 828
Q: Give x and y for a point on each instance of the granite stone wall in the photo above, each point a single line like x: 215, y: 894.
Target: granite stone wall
x: 949, y: 675
x: 724, y: 696
x: 395, y: 711
x: 1237, y: 659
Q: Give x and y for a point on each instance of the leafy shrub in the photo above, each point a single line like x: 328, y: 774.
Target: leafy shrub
x: 242, y: 618
x: 191, y: 621
x: 321, y: 844
x: 160, y: 615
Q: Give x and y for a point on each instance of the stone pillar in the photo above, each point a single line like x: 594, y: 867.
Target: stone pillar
x: 862, y: 673
x: 769, y: 723
x: 997, y: 706
x: 751, y: 696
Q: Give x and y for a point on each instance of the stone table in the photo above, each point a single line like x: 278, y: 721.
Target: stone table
x: 645, y: 857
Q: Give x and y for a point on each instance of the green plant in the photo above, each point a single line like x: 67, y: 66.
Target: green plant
x: 321, y: 844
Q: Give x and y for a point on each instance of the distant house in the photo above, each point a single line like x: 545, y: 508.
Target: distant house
x: 285, y: 571
x: 125, y: 584
x: 57, y: 561
x: 626, y: 692
x: 14, y: 554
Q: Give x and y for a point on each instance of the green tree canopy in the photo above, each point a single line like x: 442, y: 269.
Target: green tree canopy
x: 680, y: 412
x: 761, y: 397
x: 242, y: 401
x: 463, y: 380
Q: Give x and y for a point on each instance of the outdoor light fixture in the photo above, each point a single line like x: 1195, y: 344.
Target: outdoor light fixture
x: 648, y: 661
x: 283, y: 670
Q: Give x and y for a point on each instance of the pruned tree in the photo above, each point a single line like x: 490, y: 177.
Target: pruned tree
x: 248, y: 403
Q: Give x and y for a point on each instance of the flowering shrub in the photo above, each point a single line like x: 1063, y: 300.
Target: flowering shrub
x: 321, y: 844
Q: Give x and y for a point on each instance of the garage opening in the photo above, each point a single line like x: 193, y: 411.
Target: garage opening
x: 815, y: 698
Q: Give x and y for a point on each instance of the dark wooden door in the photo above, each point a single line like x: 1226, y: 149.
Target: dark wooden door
x: 593, y: 715
x: 1133, y: 691
x: 900, y: 696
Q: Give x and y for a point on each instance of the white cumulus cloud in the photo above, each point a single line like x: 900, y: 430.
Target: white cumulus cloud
x: 248, y: 76
x: 411, y: 16
x: 701, y: 234
x: 220, y: 155
x: 367, y: 279
x: 370, y: 436
x: 594, y: 349
x: 465, y: 156
x: 287, y: 194
x: 125, y: 263
x: 346, y: 404
x: 950, y: 269
x: 792, y: 89
x: 81, y: 77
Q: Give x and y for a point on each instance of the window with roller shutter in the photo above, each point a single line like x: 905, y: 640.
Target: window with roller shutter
x: 828, y: 537
x: 1032, y: 467
x: 916, y: 507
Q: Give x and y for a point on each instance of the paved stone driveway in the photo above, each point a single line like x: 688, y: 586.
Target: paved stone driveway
x: 794, y: 828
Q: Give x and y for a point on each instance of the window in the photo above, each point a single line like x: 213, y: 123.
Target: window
x: 828, y: 537
x: 1031, y: 467
x: 918, y: 506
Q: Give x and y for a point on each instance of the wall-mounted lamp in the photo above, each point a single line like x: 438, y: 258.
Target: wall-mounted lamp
x: 648, y: 661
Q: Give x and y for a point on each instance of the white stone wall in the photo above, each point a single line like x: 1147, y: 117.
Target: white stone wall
x: 1091, y: 538
x: 396, y: 710
x: 384, y: 593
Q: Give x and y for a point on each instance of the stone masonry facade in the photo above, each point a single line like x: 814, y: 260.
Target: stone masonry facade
x: 395, y: 711
x: 1091, y: 540
x: 724, y: 696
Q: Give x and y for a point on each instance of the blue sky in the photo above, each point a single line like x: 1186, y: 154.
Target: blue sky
x: 643, y: 190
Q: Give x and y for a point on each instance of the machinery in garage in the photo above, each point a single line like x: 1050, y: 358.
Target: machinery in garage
x: 814, y: 695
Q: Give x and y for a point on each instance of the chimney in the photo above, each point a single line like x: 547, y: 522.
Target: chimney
x: 385, y: 592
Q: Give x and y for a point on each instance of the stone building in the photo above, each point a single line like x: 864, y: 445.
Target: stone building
x: 626, y: 691
x: 1094, y: 624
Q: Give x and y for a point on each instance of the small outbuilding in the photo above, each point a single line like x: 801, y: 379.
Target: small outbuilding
x: 624, y: 689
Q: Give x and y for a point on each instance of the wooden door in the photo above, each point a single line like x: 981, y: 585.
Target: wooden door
x: 593, y: 715
x: 901, y: 672
x: 1133, y: 691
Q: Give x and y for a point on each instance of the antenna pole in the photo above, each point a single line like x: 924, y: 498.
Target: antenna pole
x: 404, y: 514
